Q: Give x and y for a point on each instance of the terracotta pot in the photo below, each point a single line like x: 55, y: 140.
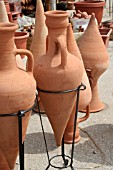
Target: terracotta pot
x: 91, y: 7
x: 3, y: 12
x: 105, y: 34
x: 62, y: 69
x: 85, y: 95
x: 38, y: 45
x: 95, y: 58
x: 14, y: 95
x: 21, y: 40
x: 4, y: 18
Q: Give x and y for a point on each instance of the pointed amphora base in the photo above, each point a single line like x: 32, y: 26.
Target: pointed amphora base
x: 58, y: 116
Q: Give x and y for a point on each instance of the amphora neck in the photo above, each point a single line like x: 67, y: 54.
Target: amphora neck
x: 7, y: 58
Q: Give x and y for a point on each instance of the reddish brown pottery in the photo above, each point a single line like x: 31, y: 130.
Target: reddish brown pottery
x: 17, y: 92
x: 3, y: 12
x: 95, y: 58
x: 38, y: 46
x: 91, y: 7
x: 21, y: 40
x: 85, y: 95
x: 58, y: 70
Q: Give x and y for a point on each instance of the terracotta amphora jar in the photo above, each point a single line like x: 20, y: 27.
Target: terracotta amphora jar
x: 3, y: 12
x: 21, y: 40
x: 95, y: 58
x: 58, y: 70
x: 91, y: 7
x: 4, y: 18
x: 85, y: 95
x: 38, y: 46
x: 17, y: 92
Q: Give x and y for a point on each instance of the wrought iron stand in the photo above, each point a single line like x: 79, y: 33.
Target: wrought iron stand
x: 20, y: 115
x: 66, y: 158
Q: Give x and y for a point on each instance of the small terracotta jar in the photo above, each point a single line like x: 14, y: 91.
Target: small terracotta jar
x: 85, y: 95
x: 21, y: 40
x: 95, y: 58
x: 17, y: 92
x: 58, y: 70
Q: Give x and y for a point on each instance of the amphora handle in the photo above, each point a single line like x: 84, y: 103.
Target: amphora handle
x: 86, y: 115
x: 63, y: 51
x: 30, y: 64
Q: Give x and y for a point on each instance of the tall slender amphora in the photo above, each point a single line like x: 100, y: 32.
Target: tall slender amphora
x: 58, y: 70
x: 17, y: 92
x: 95, y: 58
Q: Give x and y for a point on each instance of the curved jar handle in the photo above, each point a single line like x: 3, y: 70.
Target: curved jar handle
x: 86, y: 115
x: 63, y: 51
x: 30, y: 58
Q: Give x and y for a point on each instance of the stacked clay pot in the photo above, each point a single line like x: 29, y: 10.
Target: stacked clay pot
x: 58, y: 70
x: 17, y: 92
x: 95, y: 58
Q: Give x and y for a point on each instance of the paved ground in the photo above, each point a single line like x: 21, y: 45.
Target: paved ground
x: 94, y: 151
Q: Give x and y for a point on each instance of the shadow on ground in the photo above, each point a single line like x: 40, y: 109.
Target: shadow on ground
x: 96, y: 145
x: 34, y: 143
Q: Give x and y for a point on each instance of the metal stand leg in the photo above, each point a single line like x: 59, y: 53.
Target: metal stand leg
x: 43, y: 134
x: 64, y: 157
x: 63, y: 153
x: 21, y: 145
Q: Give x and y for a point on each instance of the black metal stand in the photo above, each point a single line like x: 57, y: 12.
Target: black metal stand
x: 66, y: 158
x: 20, y: 115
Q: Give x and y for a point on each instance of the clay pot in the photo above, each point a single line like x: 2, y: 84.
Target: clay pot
x: 91, y: 7
x: 14, y: 95
x: 58, y: 70
x: 21, y: 40
x: 85, y: 95
x: 4, y: 18
x: 38, y: 45
x: 3, y: 12
x: 95, y: 58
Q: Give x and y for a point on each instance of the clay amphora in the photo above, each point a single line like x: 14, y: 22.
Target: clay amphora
x: 95, y: 58
x: 3, y: 12
x: 21, y: 40
x: 4, y: 18
x: 58, y: 70
x: 85, y: 95
x: 17, y: 92
x: 38, y: 46
x: 91, y: 7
